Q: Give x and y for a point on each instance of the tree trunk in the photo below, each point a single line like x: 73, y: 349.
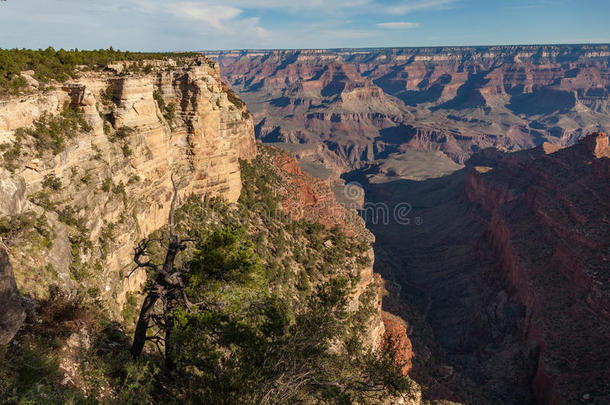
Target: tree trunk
x: 139, y: 338
x: 170, y: 351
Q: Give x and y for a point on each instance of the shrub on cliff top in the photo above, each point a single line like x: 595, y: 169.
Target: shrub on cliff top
x: 60, y: 65
x: 234, y: 98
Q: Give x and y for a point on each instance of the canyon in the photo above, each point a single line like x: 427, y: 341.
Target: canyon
x: 509, y: 264
x: 500, y: 270
x: 104, y: 192
x: 90, y: 167
x: 366, y: 104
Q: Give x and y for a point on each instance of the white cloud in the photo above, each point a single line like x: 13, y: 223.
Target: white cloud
x: 318, y: 5
x: 420, y: 5
x: 398, y: 25
x: 207, y: 24
x: 215, y: 15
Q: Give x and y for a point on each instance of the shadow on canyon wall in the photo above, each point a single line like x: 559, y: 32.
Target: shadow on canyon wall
x: 440, y: 259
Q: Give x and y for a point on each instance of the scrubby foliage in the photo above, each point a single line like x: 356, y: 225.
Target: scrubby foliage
x: 168, y: 110
x: 60, y: 65
x: 234, y: 98
x: 49, y: 133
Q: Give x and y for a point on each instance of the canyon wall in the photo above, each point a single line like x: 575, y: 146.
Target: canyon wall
x: 307, y: 197
x: 110, y: 184
x: 13, y: 313
x: 549, y: 230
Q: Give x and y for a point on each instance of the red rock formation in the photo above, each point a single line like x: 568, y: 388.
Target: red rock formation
x: 549, y: 227
x: 396, y: 335
x: 310, y: 198
x: 365, y: 104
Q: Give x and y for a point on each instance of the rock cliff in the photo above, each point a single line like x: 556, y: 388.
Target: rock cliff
x: 13, y: 313
x: 508, y: 265
x: 101, y: 189
x: 549, y: 230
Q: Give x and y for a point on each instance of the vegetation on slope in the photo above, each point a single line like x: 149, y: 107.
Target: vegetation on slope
x: 274, y: 326
x: 60, y: 65
x: 49, y: 133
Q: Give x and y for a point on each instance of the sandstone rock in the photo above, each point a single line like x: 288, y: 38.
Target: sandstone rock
x: 12, y: 193
x: 12, y: 314
x: 31, y: 83
x: 366, y: 104
x: 551, y: 239
x: 119, y: 190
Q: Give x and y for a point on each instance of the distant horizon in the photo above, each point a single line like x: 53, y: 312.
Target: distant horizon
x: 155, y: 25
x: 596, y: 44
x: 399, y: 47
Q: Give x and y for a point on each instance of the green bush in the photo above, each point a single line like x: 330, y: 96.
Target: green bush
x: 106, y: 184
x: 126, y: 150
x: 11, y: 154
x: 108, y: 95
x: 124, y: 132
x: 51, y: 181
x: 168, y: 110
x: 60, y: 65
x: 51, y: 132
x: 234, y: 98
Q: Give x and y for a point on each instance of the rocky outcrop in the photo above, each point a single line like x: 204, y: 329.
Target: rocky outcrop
x: 311, y: 198
x: 12, y: 314
x: 111, y: 186
x: 549, y: 230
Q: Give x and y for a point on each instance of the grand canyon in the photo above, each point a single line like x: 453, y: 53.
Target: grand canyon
x: 382, y: 225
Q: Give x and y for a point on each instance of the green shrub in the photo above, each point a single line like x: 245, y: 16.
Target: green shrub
x: 11, y: 154
x: 106, y: 184
x: 51, y: 181
x: 60, y: 65
x: 107, y: 95
x: 124, y: 132
x: 28, y: 227
x: 43, y: 199
x: 51, y: 132
x: 234, y: 98
x: 126, y: 150
x: 168, y: 110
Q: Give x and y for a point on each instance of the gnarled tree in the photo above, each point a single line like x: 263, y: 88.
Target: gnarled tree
x: 166, y: 286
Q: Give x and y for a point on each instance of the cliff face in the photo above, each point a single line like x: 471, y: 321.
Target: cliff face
x: 549, y: 230
x: 304, y: 196
x: 366, y: 104
x: 110, y: 186
x: 12, y: 311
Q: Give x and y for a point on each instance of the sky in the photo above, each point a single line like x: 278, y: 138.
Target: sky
x: 176, y: 25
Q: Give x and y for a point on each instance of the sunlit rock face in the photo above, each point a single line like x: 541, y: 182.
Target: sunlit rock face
x: 114, y: 180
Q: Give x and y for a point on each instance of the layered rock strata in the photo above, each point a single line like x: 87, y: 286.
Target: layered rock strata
x: 364, y: 104
x: 549, y: 217
x: 112, y: 185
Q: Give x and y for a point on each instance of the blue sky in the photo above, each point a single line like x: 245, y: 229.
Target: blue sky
x: 235, y: 24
